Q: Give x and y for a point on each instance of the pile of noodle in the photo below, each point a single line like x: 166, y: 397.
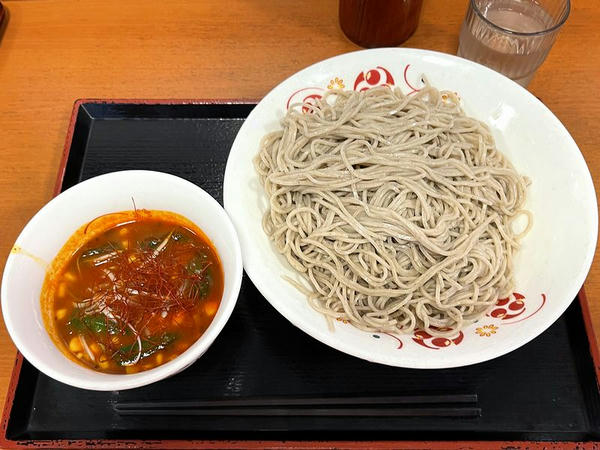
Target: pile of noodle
x: 395, y: 209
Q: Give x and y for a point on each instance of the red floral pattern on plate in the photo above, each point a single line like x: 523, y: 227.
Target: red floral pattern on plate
x: 423, y: 338
x: 513, y: 306
x: 412, y: 89
x: 367, y: 79
x: 378, y: 76
x: 306, y: 96
x: 509, y: 307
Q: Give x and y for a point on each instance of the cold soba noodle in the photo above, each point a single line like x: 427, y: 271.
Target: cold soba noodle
x: 396, y: 209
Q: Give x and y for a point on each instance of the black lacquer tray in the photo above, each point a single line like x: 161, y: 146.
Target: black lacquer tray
x: 544, y: 391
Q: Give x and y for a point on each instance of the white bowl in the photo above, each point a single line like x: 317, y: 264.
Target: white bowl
x: 49, y: 229
x: 554, y: 258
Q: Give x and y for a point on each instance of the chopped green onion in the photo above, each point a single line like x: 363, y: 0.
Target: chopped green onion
x: 96, y: 323
x: 127, y: 354
x: 105, y: 249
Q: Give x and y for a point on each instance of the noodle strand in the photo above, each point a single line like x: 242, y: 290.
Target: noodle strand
x: 395, y: 209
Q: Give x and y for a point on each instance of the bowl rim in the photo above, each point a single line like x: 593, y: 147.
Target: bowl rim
x: 110, y: 382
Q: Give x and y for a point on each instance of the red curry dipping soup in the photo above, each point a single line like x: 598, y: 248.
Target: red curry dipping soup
x: 132, y: 290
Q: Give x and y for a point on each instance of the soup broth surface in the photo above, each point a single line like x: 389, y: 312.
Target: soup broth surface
x: 131, y: 291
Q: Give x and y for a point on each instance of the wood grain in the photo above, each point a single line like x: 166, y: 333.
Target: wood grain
x: 53, y: 52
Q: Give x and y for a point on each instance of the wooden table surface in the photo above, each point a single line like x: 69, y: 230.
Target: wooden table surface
x: 53, y: 52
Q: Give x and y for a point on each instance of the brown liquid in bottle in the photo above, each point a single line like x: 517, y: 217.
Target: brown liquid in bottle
x: 379, y: 23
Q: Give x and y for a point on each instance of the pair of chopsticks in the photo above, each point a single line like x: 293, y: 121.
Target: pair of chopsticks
x: 403, y: 406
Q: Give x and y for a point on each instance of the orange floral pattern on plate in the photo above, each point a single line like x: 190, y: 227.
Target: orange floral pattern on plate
x: 486, y: 330
x: 336, y: 83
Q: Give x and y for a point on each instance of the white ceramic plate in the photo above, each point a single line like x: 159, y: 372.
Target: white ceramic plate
x: 554, y: 258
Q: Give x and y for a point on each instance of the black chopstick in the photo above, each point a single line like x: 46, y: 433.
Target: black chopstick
x: 389, y: 406
x: 313, y: 401
x: 312, y: 412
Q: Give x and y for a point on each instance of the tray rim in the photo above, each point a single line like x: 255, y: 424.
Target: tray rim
x: 255, y: 444
x: 3, y: 19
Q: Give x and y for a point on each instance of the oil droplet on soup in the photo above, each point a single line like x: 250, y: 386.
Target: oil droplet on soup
x: 136, y: 294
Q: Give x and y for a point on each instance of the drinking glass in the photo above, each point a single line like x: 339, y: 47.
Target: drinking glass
x: 512, y: 37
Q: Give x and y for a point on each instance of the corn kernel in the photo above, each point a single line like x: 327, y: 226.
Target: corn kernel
x: 104, y: 364
x: 131, y: 258
x: 210, y: 308
x: 62, y: 290
x: 94, y: 348
x: 147, y: 366
x: 70, y: 276
x: 179, y: 318
x: 132, y: 369
x: 75, y: 344
x: 79, y: 355
x: 61, y: 313
x: 159, y: 358
x: 125, y: 244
